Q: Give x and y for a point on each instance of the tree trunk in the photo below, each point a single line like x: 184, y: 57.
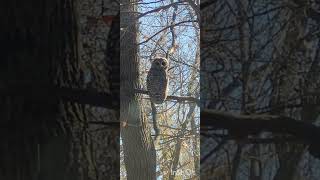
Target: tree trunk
x: 41, y: 137
x: 139, y: 151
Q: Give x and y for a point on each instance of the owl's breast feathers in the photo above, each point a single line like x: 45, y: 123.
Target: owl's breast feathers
x: 157, y: 82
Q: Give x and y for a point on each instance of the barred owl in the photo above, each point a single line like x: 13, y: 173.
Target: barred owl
x: 157, y: 80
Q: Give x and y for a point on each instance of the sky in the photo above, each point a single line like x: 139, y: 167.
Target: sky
x: 186, y: 42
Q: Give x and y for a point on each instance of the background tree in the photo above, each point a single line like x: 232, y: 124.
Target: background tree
x: 44, y: 117
x: 259, y: 63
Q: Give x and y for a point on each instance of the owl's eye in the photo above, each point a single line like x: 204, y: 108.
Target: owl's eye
x: 163, y: 64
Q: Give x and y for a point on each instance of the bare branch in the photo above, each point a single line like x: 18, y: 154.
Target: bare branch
x: 244, y: 125
x: 76, y: 95
x: 176, y: 98
x: 176, y: 24
x: 159, y: 9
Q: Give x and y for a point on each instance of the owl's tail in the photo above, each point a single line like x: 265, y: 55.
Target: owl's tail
x: 154, y: 120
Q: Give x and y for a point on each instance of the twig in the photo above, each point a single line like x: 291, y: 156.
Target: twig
x: 154, y: 120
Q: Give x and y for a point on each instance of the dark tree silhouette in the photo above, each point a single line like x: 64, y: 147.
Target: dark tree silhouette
x: 43, y: 123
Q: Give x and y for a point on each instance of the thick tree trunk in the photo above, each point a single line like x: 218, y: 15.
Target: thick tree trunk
x: 139, y: 151
x: 40, y: 136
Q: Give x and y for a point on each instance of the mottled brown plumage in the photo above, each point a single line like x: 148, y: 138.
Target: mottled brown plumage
x: 157, y: 80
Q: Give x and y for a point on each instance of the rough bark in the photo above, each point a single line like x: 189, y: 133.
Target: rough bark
x: 139, y: 151
x: 41, y: 136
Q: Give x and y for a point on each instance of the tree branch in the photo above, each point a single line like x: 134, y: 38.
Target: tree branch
x: 245, y: 125
x: 49, y: 92
x: 159, y: 9
x: 163, y: 29
x: 176, y: 98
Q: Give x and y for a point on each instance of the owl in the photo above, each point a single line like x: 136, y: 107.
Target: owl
x: 157, y: 80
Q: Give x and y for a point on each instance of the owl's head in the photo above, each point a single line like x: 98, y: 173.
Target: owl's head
x: 160, y: 63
